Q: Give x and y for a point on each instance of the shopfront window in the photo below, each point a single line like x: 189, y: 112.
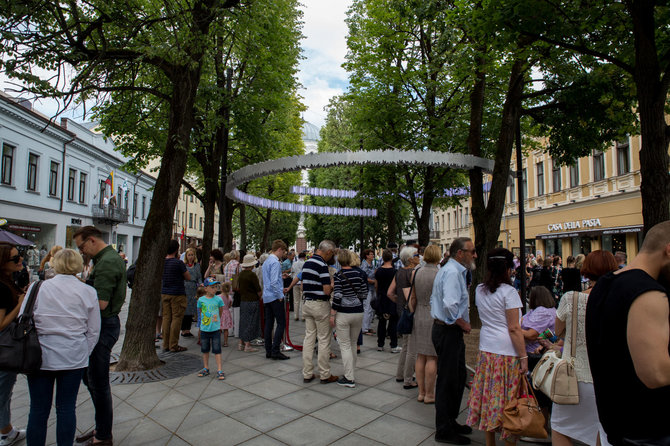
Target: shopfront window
x: 581, y: 245
x: 614, y: 243
x: 554, y: 247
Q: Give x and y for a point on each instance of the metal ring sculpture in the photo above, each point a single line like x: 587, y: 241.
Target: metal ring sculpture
x: 328, y: 159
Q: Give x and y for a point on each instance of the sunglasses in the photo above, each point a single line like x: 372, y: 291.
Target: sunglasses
x: 15, y: 259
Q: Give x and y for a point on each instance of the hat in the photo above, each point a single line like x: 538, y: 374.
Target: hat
x: 248, y: 261
x: 209, y: 282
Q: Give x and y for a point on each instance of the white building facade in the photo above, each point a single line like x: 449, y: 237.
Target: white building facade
x: 56, y: 178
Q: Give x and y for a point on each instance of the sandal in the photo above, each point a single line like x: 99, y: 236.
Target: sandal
x: 420, y: 398
x: 203, y: 372
x: 240, y: 347
x: 333, y: 356
x: 225, y: 344
x: 178, y: 349
x: 220, y: 375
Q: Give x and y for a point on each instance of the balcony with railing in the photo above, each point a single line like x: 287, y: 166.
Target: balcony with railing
x: 109, y: 214
x: 435, y: 235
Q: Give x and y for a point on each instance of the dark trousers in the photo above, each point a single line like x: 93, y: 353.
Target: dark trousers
x: 186, y: 322
x: 274, y: 312
x: 96, y: 377
x: 389, y: 326
x: 451, y: 375
x: 41, y: 389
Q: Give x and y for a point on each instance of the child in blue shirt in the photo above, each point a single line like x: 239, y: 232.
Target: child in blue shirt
x: 210, y: 307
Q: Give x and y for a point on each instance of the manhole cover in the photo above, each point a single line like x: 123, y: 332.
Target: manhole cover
x: 175, y: 365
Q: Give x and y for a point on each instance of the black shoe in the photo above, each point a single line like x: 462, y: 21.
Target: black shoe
x: 462, y: 429
x: 268, y: 355
x: 280, y: 356
x: 453, y: 438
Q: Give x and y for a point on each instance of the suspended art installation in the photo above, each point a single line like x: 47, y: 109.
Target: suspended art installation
x: 331, y: 159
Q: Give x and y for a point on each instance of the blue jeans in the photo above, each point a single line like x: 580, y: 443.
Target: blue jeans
x: 96, y: 377
x: 213, y: 338
x: 274, y: 311
x: 41, y: 388
x: 7, y: 380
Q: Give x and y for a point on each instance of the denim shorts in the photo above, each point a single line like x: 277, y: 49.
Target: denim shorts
x: 213, y: 337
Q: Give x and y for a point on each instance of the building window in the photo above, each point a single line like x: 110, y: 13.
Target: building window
x: 622, y: 156
x: 556, y: 176
x: 144, y: 207
x: 191, y: 198
x: 598, y: 165
x: 135, y: 205
x: 574, y: 174
x: 524, y: 183
x: 466, y: 219
x: 7, y: 163
x: 540, y: 178
x: 512, y: 193
x: 33, y: 161
x: 71, y: 178
x: 53, y: 178
x: 82, y: 187
x: 190, y: 220
x: 201, y: 223
x: 448, y: 222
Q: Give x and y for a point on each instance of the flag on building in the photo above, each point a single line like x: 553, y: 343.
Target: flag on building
x: 183, y: 232
x: 110, y: 180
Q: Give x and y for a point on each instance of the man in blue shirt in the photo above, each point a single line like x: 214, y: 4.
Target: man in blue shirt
x: 273, y: 300
x: 449, y: 307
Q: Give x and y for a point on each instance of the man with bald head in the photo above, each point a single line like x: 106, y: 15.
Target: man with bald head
x: 628, y: 340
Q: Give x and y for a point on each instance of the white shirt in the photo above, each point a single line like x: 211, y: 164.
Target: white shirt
x: 494, y: 336
x: 67, y: 319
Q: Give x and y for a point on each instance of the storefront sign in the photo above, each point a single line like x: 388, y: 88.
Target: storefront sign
x: 591, y: 232
x: 574, y: 225
x: 25, y: 228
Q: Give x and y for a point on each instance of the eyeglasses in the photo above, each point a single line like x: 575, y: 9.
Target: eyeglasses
x: 79, y: 247
x: 15, y: 259
x: 416, y: 255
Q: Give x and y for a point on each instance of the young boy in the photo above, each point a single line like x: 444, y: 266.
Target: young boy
x: 210, y: 307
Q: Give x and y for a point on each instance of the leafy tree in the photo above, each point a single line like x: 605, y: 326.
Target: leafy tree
x: 133, y: 46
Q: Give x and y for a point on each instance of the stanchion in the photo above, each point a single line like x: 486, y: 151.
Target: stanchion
x: 287, y: 339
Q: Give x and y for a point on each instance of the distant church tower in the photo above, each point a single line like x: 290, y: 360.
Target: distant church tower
x: 310, y: 136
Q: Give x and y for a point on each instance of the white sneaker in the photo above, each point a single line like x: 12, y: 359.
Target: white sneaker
x: 12, y: 437
x: 396, y: 349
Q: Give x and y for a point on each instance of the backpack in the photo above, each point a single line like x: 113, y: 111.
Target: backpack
x: 130, y: 275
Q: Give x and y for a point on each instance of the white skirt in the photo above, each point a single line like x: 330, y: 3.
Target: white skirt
x: 579, y: 421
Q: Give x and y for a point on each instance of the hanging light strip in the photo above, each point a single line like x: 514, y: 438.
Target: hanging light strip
x: 323, y: 192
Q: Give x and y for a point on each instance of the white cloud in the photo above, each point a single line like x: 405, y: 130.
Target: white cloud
x: 325, y: 48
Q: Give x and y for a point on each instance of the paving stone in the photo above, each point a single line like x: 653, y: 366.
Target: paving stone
x: 354, y: 439
x: 420, y: 413
x: 270, y: 415
x: 347, y: 415
x: 308, y: 431
x: 377, y: 399
x: 147, y: 432
x: 223, y: 430
x: 171, y: 417
x: 272, y: 388
x: 245, y: 378
x: 278, y: 368
x: 262, y: 440
x: 199, y: 414
x: 369, y: 378
x: 306, y: 400
x: 233, y: 401
x: 394, y: 431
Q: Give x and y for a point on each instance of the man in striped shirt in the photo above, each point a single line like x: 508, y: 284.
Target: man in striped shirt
x: 316, y: 288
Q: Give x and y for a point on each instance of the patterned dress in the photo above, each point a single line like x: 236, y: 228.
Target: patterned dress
x: 226, y: 316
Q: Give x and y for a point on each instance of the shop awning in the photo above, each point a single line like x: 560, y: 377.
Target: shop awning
x: 590, y: 232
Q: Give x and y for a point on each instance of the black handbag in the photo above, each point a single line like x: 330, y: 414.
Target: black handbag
x: 20, y: 349
x: 406, y: 320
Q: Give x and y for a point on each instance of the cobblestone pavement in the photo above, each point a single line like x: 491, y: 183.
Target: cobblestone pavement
x: 261, y: 402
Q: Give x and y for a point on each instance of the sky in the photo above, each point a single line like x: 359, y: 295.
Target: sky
x: 324, y: 48
x: 320, y: 72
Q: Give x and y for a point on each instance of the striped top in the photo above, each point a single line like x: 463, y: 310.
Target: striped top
x: 314, y: 276
x: 349, y: 285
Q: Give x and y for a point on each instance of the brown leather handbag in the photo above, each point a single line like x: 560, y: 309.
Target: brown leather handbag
x: 522, y: 415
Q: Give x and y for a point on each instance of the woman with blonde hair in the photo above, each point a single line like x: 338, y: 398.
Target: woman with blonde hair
x: 67, y: 318
x: 421, y: 341
x: 46, y: 271
x: 190, y: 286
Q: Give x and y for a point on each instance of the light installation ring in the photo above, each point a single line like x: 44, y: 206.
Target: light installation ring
x: 331, y: 159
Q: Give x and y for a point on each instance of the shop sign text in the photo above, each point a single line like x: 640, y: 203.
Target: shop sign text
x: 572, y: 225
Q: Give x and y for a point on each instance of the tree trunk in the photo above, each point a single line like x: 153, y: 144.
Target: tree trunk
x: 210, y: 209
x: 486, y: 217
x: 651, y: 95
x: 223, y: 143
x: 265, y: 244
x: 138, y: 351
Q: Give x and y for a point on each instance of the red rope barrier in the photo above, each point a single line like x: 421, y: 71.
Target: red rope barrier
x: 287, y: 338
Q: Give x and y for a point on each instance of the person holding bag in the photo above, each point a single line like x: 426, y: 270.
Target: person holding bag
x: 67, y: 318
x: 502, y: 351
x: 579, y: 421
x: 11, y: 298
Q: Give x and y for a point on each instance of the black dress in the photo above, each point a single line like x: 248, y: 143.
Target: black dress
x: 386, y: 310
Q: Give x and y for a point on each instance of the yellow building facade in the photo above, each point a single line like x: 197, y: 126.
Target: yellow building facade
x: 593, y: 204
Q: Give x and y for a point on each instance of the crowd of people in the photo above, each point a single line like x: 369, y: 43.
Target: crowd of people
x: 621, y: 324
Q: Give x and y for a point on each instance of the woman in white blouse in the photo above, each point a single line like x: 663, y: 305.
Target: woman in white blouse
x: 67, y: 319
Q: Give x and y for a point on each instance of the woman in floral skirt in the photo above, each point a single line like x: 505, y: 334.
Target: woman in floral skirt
x: 502, y: 350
